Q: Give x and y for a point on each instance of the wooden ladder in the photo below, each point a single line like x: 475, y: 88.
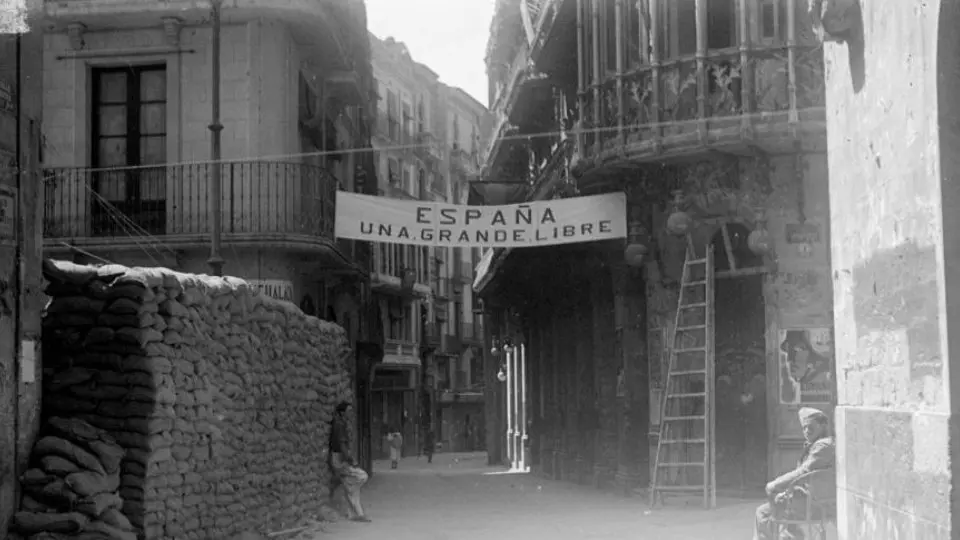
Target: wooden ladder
x: 685, y: 461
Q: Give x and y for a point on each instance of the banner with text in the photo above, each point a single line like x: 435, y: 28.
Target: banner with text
x: 537, y: 223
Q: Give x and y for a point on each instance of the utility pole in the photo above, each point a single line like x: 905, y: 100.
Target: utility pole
x: 215, y: 261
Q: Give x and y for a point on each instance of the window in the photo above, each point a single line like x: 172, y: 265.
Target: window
x: 773, y: 21
x: 393, y: 172
x: 393, y: 124
x: 608, y: 22
x: 456, y: 132
x: 636, y: 52
x: 422, y: 187
x: 721, y: 24
x: 129, y: 129
x: 407, y: 181
x: 678, y: 35
x: 421, y: 117
x: 407, y: 122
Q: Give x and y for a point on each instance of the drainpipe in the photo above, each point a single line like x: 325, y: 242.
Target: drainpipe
x: 215, y: 261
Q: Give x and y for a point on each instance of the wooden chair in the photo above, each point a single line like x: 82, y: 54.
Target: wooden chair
x: 819, y: 508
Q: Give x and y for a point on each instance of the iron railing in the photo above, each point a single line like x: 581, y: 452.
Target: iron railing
x: 259, y: 198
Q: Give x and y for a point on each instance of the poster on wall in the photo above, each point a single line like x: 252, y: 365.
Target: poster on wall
x: 806, y: 366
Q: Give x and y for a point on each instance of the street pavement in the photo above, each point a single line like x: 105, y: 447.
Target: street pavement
x: 458, y: 497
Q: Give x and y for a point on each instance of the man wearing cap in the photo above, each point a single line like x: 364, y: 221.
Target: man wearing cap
x: 351, y: 476
x: 819, y: 453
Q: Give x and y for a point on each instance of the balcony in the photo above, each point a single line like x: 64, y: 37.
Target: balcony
x: 471, y: 333
x: 392, y: 262
x: 464, y: 162
x: 263, y: 202
x: 428, y: 148
x: 400, y: 348
x: 765, y: 98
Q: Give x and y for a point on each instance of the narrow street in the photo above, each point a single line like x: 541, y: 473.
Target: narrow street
x: 459, y: 498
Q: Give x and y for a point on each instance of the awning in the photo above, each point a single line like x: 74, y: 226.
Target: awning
x: 497, y: 193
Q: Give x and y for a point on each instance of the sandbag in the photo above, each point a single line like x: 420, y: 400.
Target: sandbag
x: 55, y: 493
x: 36, y: 477
x: 109, y: 531
x: 67, y: 378
x: 96, y: 505
x: 75, y: 429
x: 58, y: 465
x: 109, y: 454
x: 35, y: 522
x: 30, y: 504
x: 64, y: 448
x: 114, y: 517
x: 88, y: 483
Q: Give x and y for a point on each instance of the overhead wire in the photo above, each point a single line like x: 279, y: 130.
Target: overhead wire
x: 413, y: 146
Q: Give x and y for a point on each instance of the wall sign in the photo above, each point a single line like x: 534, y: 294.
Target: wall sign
x: 806, y: 366
x: 280, y: 289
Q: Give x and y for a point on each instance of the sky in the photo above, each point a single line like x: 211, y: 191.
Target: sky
x: 449, y: 36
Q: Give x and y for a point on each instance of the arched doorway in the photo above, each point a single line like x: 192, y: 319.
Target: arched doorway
x: 740, y: 397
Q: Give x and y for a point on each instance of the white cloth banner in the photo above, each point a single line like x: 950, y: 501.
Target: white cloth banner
x: 537, y: 223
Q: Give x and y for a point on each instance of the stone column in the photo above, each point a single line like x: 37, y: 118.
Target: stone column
x: 586, y: 394
x: 605, y: 363
x: 633, y: 452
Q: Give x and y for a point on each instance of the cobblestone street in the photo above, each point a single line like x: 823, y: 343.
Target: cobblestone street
x: 459, y: 498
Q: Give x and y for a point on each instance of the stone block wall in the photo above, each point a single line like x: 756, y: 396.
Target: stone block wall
x: 222, y: 397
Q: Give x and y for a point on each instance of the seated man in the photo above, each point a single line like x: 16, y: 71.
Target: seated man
x: 787, y: 500
x: 351, y: 476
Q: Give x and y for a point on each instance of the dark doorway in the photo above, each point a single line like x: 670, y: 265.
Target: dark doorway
x: 741, y: 372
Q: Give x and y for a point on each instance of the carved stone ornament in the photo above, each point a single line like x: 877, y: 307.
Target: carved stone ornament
x: 75, y: 33
x: 171, y: 30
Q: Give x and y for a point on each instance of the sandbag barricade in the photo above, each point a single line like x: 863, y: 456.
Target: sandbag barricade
x: 72, y: 488
x: 221, y: 397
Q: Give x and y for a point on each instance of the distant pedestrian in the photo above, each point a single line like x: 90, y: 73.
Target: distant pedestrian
x: 344, y: 465
x: 429, y: 445
x: 395, y: 440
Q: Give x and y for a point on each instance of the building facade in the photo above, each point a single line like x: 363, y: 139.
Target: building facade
x: 21, y: 285
x: 427, y: 144
x: 710, y: 117
x: 129, y: 168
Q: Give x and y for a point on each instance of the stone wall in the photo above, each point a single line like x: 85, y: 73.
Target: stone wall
x: 222, y: 397
x: 894, y: 156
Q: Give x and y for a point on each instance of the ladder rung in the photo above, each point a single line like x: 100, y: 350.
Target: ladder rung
x: 678, y: 418
x: 687, y: 395
x: 696, y: 261
x: 679, y: 488
x: 695, y: 283
x: 694, y: 327
x: 684, y: 441
x: 690, y: 349
x: 683, y: 464
x: 697, y: 305
x: 688, y: 372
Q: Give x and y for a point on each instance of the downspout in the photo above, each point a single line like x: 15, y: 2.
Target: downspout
x: 19, y: 267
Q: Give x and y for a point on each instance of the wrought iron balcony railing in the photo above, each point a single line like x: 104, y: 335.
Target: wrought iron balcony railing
x: 728, y: 88
x: 258, y: 198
